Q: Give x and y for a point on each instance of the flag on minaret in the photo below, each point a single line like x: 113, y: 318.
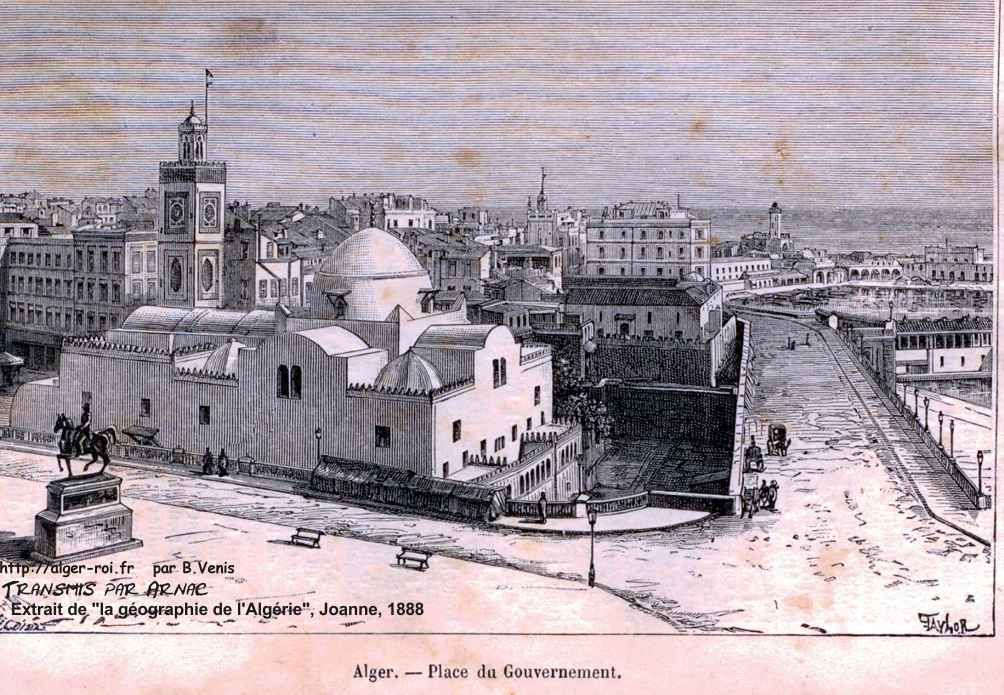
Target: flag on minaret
x: 209, y: 77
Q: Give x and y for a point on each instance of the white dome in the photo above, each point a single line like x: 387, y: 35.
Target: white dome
x: 409, y: 372
x: 372, y: 272
x: 372, y: 253
x: 223, y: 359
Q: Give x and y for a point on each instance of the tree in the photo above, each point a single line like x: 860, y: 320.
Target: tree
x: 592, y: 414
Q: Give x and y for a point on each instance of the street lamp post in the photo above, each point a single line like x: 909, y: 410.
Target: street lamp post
x: 941, y: 420
x: 927, y: 402
x: 317, y: 436
x: 591, y: 516
x: 916, y: 407
x: 951, y: 438
x: 979, y: 473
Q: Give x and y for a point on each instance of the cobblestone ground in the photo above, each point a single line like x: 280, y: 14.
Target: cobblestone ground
x: 850, y: 549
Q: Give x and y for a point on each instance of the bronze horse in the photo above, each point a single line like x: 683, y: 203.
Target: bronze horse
x: 96, y: 444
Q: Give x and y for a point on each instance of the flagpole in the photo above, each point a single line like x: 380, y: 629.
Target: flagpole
x: 207, y: 97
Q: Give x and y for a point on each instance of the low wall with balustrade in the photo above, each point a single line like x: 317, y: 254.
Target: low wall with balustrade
x: 976, y: 497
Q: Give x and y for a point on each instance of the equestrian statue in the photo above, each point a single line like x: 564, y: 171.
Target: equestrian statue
x: 78, y: 440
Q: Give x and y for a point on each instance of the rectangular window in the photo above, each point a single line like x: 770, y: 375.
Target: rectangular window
x: 484, y: 447
x: 144, y: 407
x: 137, y: 262
x: 116, y: 261
x: 542, y: 418
x: 456, y: 430
x: 275, y: 288
x: 499, y: 443
x: 529, y: 424
x: 151, y: 261
x: 536, y: 395
x: 515, y: 431
x: 151, y: 290
x: 262, y: 289
x: 204, y: 415
x: 382, y: 435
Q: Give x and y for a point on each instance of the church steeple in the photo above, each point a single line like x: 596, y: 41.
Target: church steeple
x: 542, y: 197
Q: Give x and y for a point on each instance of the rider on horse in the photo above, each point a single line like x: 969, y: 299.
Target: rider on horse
x: 83, y: 431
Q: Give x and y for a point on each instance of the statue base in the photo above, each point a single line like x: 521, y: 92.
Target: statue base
x: 84, y: 518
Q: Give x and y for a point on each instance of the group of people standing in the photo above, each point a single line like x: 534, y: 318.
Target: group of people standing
x: 221, y: 464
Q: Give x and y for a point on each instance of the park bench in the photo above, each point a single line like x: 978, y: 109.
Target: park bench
x: 419, y: 557
x: 307, y: 537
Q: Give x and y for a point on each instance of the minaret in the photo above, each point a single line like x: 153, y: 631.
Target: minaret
x: 191, y: 218
x: 775, y: 221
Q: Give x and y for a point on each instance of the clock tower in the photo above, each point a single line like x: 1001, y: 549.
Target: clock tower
x: 191, y: 216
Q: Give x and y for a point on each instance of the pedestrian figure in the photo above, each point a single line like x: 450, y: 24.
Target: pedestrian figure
x: 222, y: 464
x: 807, y: 339
x: 542, y: 508
x: 772, y: 495
x: 207, y: 462
x: 763, y: 494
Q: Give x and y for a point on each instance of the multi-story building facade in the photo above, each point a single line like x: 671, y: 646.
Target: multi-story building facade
x: 950, y: 264
x: 636, y: 308
x: 60, y: 286
x: 142, y: 274
x: 391, y: 212
x: 943, y: 345
x: 650, y: 239
x: 15, y: 225
x: 452, y: 264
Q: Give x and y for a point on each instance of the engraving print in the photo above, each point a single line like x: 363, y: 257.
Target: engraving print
x: 621, y: 319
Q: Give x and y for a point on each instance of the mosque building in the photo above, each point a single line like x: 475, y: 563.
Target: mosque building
x: 380, y: 373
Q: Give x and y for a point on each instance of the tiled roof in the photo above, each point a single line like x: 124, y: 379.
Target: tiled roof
x: 14, y: 217
x: 522, y: 251
x: 947, y: 325
x: 635, y: 292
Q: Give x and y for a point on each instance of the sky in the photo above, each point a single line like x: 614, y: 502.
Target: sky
x: 729, y: 104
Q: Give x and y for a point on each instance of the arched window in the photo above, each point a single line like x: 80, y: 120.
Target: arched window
x: 282, y: 381
x: 502, y: 372
x: 495, y: 373
x: 296, y: 382
x: 603, y: 253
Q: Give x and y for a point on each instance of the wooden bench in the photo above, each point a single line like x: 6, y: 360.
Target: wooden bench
x: 419, y: 557
x: 308, y: 537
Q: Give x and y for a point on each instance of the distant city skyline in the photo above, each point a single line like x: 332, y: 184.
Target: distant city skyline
x: 879, y: 104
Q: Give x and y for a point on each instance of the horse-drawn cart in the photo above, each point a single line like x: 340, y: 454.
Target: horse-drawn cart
x: 777, y: 440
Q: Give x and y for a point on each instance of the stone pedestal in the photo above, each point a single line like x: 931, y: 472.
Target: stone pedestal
x: 84, y: 518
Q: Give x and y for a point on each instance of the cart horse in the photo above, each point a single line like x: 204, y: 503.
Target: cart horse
x: 777, y: 441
